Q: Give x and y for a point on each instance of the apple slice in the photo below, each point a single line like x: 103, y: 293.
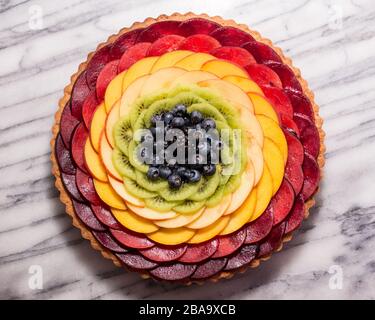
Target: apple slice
x: 193, y: 77
x: 264, y: 193
x: 105, y: 152
x: 169, y: 59
x: 137, y: 70
x: 199, y: 43
x: 180, y: 221
x: 263, y: 107
x: 172, y: 236
x: 173, y: 272
x: 223, y: 68
x: 194, y: 61
x: 110, y: 122
x: 93, y: 163
x: 245, y: 84
x: 275, y: 163
x: 124, y: 194
x: 165, y: 44
x: 255, y: 154
x: 109, y: 195
x: 237, y: 55
x: 97, y: 125
x: 134, y: 222
x: 211, y: 231
x: 152, y: 214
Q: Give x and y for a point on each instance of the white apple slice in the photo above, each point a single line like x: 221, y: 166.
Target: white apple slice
x: 254, y: 152
x: 124, y: 194
x: 110, y: 122
x: 169, y: 59
x: 131, y: 94
x: 194, y: 61
x: 151, y: 214
x: 180, y: 221
x: 193, y: 77
x: 105, y: 152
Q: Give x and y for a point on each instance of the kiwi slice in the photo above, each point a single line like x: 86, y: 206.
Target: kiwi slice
x: 207, y: 110
x: 123, y: 134
x: 136, y: 190
x: 181, y: 88
x: 233, y: 183
x: 207, y: 188
x: 122, y: 164
x: 139, y: 124
x: 157, y: 107
x: 186, y: 98
x: 186, y: 191
x: 148, y: 184
x: 159, y: 204
x: 189, y: 206
x: 215, y: 199
x: 134, y: 159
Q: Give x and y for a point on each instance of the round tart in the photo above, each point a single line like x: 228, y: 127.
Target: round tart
x: 209, y: 216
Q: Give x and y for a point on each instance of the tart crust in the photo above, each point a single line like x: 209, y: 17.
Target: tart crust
x: 64, y: 197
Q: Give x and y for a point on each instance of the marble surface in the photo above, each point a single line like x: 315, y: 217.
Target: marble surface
x: 333, y: 42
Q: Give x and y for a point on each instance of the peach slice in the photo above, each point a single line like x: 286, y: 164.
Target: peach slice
x: 193, y: 77
x: 223, y: 68
x: 110, y: 122
x: 151, y: 214
x: 138, y: 69
x: 180, y: 221
x: 210, y: 215
x: 262, y: 106
x: 119, y: 188
x: 170, y: 59
x: 264, y: 193
x: 109, y: 195
x: 97, y: 125
x: 245, y: 84
x: 194, y: 61
x: 255, y: 153
x: 172, y: 236
x: 94, y: 163
x: 211, y: 231
x: 134, y: 222
x: 114, y: 91
x: 275, y: 163
x: 105, y: 152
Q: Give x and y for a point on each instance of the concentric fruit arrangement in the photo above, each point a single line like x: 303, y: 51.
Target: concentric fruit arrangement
x: 187, y: 222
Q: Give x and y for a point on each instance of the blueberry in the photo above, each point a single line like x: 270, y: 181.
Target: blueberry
x: 174, y: 181
x: 155, y: 118
x: 153, y: 173
x: 179, y: 109
x: 164, y: 172
x: 208, y: 169
x: 194, y: 176
x: 196, y: 117
x: 168, y: 117
x: 178, y: 122
x: 208, y: 123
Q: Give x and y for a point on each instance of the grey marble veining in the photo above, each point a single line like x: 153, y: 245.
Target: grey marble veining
x: 333, y: 42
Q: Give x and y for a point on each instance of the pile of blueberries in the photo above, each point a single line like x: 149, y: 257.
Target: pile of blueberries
x: 191, y: 171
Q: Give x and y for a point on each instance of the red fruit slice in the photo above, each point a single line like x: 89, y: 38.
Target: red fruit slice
x: 282, y: 202
x: 279, y: 101
x: 263, y: 75
x: 230, y: 36
x: 234, y: 54
x: 131, y: 239
x: 286, y: 75
x: 273, y: 240
x: 123, y: 43
x: 199, y: 43
x: 158, y: 30
x: 259, y: 228
x: 132, y: 55
x: 199, y: 252
x: 295, y: 148
x: 96, y: 64
x: 163, y: 254
x: 261, y: 52
x: 244, y: 256
x: 296, y: 216
x: 67, y: 125
x: 89, y: 107
x: 312, y: 176
x: 290, y: 125
x: 63, y: 157
x: 105, y: 216
x: 174, y: 272
x: 107, y: 241
x: 229, y: 243
x: 197, y: 25
x: 69, y: 181
x: 78, y: 143
x: 86, y: 187
x: 165, y: 44
x: 79, y: 94
x: 209, y: 268
x: 86, y: 215
x: 105, y: 77
x: 301, y: 104
x: 294, y: 174
x: 309, y: 134
x: 136, y: 261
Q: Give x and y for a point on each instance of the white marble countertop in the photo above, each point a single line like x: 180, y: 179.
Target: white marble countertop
x: 333, y: 42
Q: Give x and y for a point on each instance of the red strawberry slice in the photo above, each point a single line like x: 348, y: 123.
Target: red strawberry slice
x: 230, y: 36
x: 209, y: 268
x: 69, y: 181
x: 158, y: 30
x: 282, y: 202
x: 243, y: 257
x: 261, y: 52
x: 86, y: 215
x: 290, y: 125
x: 78, y: 143
x: 131, y: 239
x: 263, y: 75
x: 197, y: 25
x: 133, y: 54
x: 229, y: 243
x: 199, y: 43
x: 199, y: 252
x: 279, y: 100
x: 163, y: 254
x: 234, y: 54
x: 105, y: 77
x: 312, y: 176
x: 89, y: 107
x: 96, y: 64
x: 64, y: 159
x: 301, y: 104
x: 165, y: 44
x: 295, y: 148
x: 86, y: 187
x: 286, y: 75
x: 174, y: 272
x: 296, y: 216
x: 259, y: 228
x: 67, y: 125
x: 105, y: 216
x: 136, y: 261
x: 123, y: 43
x: 79, y: 94
x: 309, y: 134
x: 273, y: 240
x: 107, y: 241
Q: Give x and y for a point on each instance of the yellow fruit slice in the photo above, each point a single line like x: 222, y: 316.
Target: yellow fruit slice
x: 245, y: 84
x: 172, y: 236
x: 94, y: 163
x: 131, y: 94
x: 113, y: 91
x: 112, y: 118
x: 169, y: 59
x: 194, y: 61
x: 193, y: 77
x: 223, y: 68
x: 108, y: 195
x: 97, y: 125
x: 180, y: 221
x: 134, y: 222
x: 119, y: 188
x: 151, y: 214
x: 264, y: 193
x: 255, y: 153
x: 263, y: 107
x: 275, y: 163
x: 138, y: 69
x: 210, y: 231
x: 105, y: 153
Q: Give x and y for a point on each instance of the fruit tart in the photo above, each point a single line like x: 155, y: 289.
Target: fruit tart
x: 187, y: 148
